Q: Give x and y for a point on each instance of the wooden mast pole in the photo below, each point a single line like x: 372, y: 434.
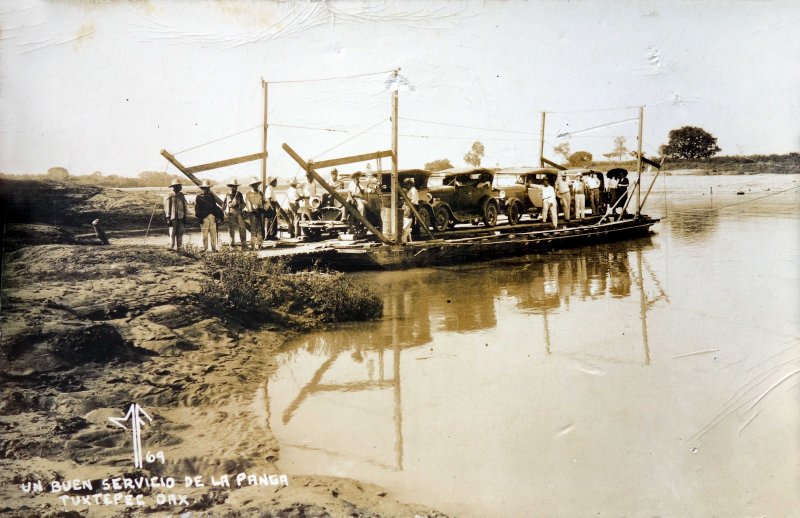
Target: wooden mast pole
x: 541, y: 142
x: 639, y: 164
x: 265, y: 86
x: 395, y: 221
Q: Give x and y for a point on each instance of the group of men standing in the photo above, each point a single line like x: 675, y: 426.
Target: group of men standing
x: 254, y: 209
x: 574, y: 194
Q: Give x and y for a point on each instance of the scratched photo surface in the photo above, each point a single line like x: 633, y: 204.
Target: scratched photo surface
x: 653, y: 375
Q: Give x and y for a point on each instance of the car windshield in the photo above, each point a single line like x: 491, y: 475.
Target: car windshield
x: 507, y: 180
x: 439, y: 181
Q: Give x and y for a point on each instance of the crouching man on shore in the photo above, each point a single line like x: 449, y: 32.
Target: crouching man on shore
x: 175, y: 209
x: 209, y: 213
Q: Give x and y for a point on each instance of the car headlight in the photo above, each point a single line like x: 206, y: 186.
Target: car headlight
x: 502, y: 195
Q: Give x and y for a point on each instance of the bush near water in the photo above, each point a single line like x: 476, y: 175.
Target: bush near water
x: 247, y: 285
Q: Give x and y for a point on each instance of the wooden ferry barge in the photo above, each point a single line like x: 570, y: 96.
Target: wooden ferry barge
x: 384, y: 251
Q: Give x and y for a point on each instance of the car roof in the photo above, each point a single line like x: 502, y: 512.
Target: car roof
x: 527, y: 170
x: 462, y: 170
x: 581, y: 170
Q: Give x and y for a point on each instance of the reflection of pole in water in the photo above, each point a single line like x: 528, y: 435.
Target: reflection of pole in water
x: 643, y: 308
x: 546, y: 331
x: 398, y: 411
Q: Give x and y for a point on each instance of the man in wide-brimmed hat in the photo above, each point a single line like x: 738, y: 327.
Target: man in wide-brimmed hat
x: 232, y: 206
x: 209, y: 213
x: 271, y: 222
x: 254, y: 205
x: 176, y: 210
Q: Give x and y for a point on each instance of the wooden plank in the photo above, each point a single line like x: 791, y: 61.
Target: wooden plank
x: 225, y: 163
x: 352, y: 210
x: 348, y: 159
x: 184, y: 170
x: 553, y: 164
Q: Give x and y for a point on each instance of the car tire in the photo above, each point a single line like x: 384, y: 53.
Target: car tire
x: 425, y: 216
x: 441, y: 218
x: 514, y: 214
x: 490, y: 212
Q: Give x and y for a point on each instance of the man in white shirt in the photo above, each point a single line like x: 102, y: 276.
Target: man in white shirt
x: 549, y: 203
x: 408, y: 215
x: 579, y: 191
x: 593, y: 183
x: 355, y: 193
x: 563, y: 194
x: 293, y: 204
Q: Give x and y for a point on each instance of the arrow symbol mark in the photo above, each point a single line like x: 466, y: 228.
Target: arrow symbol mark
x: 135, y: 414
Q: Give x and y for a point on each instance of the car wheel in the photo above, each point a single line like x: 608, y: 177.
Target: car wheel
x: 513, y: 213
x: 441, y: 218
x: 425, y: 216
x: 490, y: 213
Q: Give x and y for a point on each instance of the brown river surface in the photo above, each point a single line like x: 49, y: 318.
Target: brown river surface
x: 657, y: 376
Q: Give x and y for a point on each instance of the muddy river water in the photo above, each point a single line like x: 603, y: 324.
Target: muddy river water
x: 657, y: 376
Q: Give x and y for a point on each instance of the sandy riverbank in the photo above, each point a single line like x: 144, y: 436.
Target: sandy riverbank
x: 88, y: 330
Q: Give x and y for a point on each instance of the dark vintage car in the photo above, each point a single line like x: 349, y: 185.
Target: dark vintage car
x: 519, y: 190
x: 327, y: 216
x: 459, y: 196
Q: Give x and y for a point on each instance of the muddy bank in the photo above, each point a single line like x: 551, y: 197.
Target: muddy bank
x: 89, y: 330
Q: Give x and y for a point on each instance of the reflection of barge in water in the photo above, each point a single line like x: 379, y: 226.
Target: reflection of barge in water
x: 475, y: 245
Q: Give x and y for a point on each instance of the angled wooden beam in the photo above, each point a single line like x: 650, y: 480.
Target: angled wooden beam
x: 414, y: 210
x: 174, y: 161
x: 553, y: 164
x: 225, y: 163
x: 350, y: 159
x: 651, y: 162
x: 352, y: 210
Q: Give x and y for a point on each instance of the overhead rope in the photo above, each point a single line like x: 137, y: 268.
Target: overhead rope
x: 469, y: 127
x: 336, y: 78
x: 351, y: 138
x: 155, y: 204
x: 593, y: 110
x: 217, y: 140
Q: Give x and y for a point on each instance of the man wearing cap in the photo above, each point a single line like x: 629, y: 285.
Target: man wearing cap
x: 309, y: 191
x: 335, y: 182
x: 271, y: 223
x: 563, y: 195
x: 176, y: 210
x: 208, y: 212
x: 408, y: 215
x: 254, y: 206
x: 293, y: 204
x: 355, y: 193
x: 232, y: 206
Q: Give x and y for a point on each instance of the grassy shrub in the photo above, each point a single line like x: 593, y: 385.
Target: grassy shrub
x: 251, y: 286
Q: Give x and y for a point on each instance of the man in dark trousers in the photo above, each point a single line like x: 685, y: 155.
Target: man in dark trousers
x: 232, y: 206
x: 209, y: 213
x: 254, y: 206
x: 175, y: 209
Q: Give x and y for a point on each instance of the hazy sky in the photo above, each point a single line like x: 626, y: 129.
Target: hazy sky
x: 105, y: 86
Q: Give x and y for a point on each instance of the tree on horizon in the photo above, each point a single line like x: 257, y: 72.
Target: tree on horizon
x: 438, y: 165
x: 474, y: 156
x: 690, y: 142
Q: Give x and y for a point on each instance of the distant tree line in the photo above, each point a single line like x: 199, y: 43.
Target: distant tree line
x: 61, y: 174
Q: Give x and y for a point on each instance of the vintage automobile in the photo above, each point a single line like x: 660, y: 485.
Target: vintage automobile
x: 460, y: 196
x: 327, y: 216
x: 519, y: 190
